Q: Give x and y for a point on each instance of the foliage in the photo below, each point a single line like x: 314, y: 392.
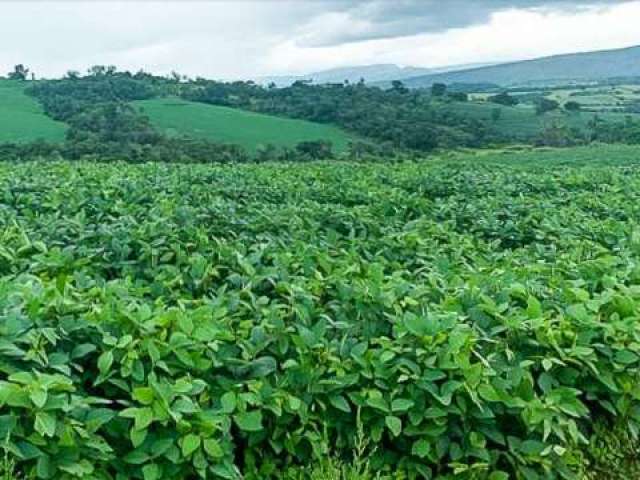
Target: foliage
x: 504, y: 99
x: 613, y: 453
x: 438, y: 89
x: 572, y: 106
x: 234, y: 126
x: 406, y: 119
x: 545, y: 105
x: 20, y: 72
x: 168, y: 321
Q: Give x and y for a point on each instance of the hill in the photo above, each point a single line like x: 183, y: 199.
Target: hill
x: 22, y: 118
x: 229, y: 125
x: 372, y: 74
x: 588, y: 66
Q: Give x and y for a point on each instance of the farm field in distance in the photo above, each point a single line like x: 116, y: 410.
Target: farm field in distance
x: 22, y: 119
x: 234, y: 126
x: 476, y: 313
x: 521, y: 121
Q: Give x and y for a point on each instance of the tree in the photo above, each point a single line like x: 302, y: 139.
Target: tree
x: 398, y: 86
x: 20, y: 72
x: 544, y: 105
x: 572, y: 106
x: 496, y: 114
x: 504, y: 99
x: 459, y: 96
x: 438, y: 89
x: 315, y: 150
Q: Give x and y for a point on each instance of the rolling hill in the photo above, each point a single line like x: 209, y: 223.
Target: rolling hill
x: 22, y: 119
x: 588, y: 66
x: 372, y: 74
x: 233, y: 126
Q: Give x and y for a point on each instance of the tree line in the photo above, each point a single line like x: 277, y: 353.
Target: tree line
x: 103, y: 123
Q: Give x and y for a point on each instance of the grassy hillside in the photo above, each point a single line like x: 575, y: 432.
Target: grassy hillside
x: 22, y: 119
x: 229, y: 125
x: 578, y: 66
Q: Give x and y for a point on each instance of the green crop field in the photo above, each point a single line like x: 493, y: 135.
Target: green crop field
x: 522, y: 121
x: 476, y: 315
x: 229, y: 125
x: 22, y: 119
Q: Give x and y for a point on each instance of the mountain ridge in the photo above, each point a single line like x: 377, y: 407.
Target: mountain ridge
x: 579, y: 66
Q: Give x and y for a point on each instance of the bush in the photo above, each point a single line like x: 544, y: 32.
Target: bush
x: 545, y: 105
x: 504, y: 99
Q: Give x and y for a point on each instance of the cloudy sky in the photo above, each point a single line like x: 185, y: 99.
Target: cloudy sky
x: 240, y: 39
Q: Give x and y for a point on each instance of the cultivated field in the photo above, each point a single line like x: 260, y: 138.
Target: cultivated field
x: 239, y: 127
x: 475, y: 315
x: 22, y: 119
x: 522, y: 121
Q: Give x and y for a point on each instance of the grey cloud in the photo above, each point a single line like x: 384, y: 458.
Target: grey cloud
x: 398, y: 18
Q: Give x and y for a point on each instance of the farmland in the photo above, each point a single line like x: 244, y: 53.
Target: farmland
x: 522, y: 122
x: 477, y: 315
x: 238, y: 127
x: 22, y: 119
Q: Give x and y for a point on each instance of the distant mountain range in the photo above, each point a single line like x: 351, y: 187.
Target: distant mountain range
x: 370, y: 73
x: 588, y: 66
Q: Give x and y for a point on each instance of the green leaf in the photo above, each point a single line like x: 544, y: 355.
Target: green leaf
x: 488, y: 393
x: 212, y: 447
x: 421, y: 448
x: 249, y: 421
x: 379, y: 403
x: 104, y: 362
x: 45, y: 424
x: 39, y: 397
x: 82, y: 350
x: 340, y: 403
x: 402, y: 405
x: 626, y: 357
x: 228, y: 402
x: 152, y: 472
x: 420, y: 325
x: 44, y: 468
x: 499, y: 475
x: 190, y: 444
x: 144, y: 395
x: 143, y: 418
x: 394, y: 424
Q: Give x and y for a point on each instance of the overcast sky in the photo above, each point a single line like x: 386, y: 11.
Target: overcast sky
x: 240, y: 39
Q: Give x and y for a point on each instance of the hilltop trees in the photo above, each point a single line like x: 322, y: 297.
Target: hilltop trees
x: 398, y: 116
x: 20, y: 72
x: 438, y: 90
x: 544, y: 105
x: 504, y: 99
x: 572, y: 106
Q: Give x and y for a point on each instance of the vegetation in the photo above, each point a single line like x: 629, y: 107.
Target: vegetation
x: 478, y: 315
x: 233, y: 126
x: 405, y: 119
x: 203, y: 121
x: 22, y: 119
x: 545, y: 105
x: 504, y: 99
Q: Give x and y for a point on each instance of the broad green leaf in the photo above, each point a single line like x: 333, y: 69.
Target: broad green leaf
x: 394, y: 424
x: 190, y: 444
x: 45, y: 424
x: 421, y: 448
x: 249, y: 421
